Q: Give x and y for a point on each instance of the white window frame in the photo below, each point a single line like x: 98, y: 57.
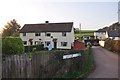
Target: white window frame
x: 37, y: 34
x: 24, y: 42
x: 46, y: 34
x: 64, y: 34
x: 24, y: 34
x: 47, y: 43
x: 37, y: 42
x: 64, y: 44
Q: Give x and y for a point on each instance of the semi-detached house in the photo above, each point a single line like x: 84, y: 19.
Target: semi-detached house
x: 59, y: 35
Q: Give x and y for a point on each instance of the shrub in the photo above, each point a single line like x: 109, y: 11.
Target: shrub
x: 112, y: 45
x: 116, y: 46
x: 108, y: 44
x: 32, y: 48
x: 12, y: 45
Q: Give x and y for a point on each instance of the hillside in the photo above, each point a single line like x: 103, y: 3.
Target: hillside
x: 85, y: 33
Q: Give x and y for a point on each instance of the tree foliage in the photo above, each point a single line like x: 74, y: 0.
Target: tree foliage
x: 12, y: 28
x: 12, y: 45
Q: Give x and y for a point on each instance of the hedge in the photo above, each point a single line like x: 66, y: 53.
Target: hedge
x: 32, y: 48
x: 112, y: 45
x: 12, y: 45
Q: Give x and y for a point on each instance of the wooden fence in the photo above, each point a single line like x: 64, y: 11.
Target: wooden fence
x: 41, y: 65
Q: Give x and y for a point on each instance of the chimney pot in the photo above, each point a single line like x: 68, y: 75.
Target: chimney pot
x: 46, y: 21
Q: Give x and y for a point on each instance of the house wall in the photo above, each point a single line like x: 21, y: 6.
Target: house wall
x: 100, y: 35
x: 115, y: 38
x: 69, y: 38
x: 106, y: 35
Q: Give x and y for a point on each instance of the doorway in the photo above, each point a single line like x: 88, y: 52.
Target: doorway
x: 55, y: 45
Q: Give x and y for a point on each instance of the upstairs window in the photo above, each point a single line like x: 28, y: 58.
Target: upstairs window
x: 37, y: 34
x: 24, y: 34
x: 63, y: 33
x: 64, y: 44
x: 47, y: 34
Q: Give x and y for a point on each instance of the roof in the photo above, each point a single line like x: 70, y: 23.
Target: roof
x: 101, y: 30
x: 47, y: 27
x: 114, y: 33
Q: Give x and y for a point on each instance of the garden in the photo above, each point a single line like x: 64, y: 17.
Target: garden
x: 37, y: 62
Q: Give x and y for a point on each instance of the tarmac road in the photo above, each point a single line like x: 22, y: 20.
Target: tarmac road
x: 106, y: 63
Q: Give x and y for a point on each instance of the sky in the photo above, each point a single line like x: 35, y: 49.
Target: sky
x: 91, y: 14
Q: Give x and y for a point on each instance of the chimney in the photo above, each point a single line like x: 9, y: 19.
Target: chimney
x: 46, y: 21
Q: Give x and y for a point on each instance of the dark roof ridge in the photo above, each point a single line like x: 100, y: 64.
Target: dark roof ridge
x: 48, y: 27
x: 50, y: 23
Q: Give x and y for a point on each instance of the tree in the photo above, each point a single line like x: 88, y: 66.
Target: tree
x: 12, y: 28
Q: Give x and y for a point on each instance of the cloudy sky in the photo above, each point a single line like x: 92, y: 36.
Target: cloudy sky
x: 92, y: 14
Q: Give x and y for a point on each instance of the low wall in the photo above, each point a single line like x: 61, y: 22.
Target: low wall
x: 102, y: 43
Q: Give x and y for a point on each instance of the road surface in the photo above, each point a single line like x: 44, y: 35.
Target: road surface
x: 106, y: 63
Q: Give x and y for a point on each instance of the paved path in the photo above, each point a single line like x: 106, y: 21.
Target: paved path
x: 106, y: 64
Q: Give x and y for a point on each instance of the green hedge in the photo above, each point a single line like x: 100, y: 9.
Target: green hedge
x: 32, y: 48
x: 12, y: 45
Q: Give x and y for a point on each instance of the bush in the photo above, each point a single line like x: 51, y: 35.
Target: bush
x: 116, y: 46
x: 12, y: 45
x: 108, y: 44
x: 112, y: 45
x: 32, y: 48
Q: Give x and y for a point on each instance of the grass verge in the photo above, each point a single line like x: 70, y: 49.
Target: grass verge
x: 88, y: 67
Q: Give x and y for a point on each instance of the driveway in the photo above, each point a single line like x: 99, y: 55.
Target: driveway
x: 106, y: 63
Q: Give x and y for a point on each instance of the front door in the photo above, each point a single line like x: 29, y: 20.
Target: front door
x: 55, y: 45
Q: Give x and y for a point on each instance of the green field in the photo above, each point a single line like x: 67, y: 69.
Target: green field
x: 85, y: 33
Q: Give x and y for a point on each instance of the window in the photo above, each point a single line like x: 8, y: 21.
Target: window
x: 25, y: 42
x: 63, y: 33
x: 24, y: 34
x: 37, y: 42
x: 47, y: 34
x: 63, y: 43
x: 31, y: 41
x: 37, y: 34
x: 100, y: 37
x: 47, y: 43
x: 113, y: 38
x: 87, y: 38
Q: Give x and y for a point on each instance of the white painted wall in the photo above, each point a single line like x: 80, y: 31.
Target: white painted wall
x: 69, y: 38
x: 102, y: 43
x: 115, y: 38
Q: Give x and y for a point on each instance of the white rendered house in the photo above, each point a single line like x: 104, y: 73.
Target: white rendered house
x: 59, y: 35
x: 100, y: 34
